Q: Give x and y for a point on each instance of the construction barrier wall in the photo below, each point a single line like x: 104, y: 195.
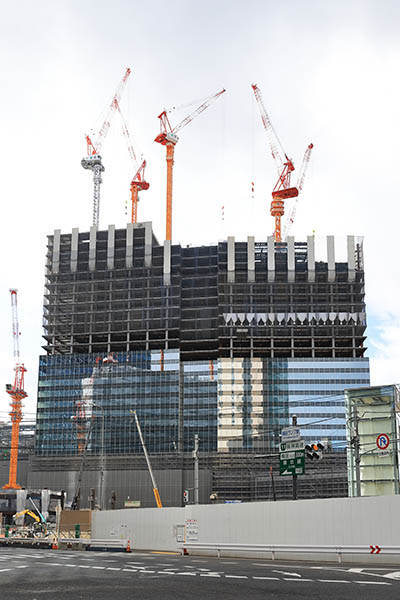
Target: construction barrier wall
x: 337, y: 521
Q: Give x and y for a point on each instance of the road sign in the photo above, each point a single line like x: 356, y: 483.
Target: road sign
x: 292, y: 463
x: 290, y: 434
x: 286, y: 446
x: 382, y: 441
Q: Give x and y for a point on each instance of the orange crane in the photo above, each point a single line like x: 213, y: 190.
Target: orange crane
x: 282, y: 190
x: 17, y: 394
x: 93, y: 159
x: 138, y: 182
x: 167, y: 137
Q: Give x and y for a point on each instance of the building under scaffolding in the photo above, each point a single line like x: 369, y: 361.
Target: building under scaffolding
x: 227, y: 341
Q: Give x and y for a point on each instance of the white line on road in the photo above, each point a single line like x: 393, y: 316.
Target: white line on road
x: 166, y: 573
x: 113, y: 568
x: 147, y: 571
x: 236, y: 576
x: 84, y: 566
x: 296, y: 580
x: 209, y: 575
x: 333, y: 581
x: 1, y: 570
x: 274, y: 578
x: 187, y: 573
x: 373, y: 582
x: 98, y: 567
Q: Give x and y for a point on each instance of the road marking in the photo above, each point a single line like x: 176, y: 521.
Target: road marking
x: 66, y: 565
x: 147, y: 571
x: 84, y: 566
x: 334, y: 581
x: 1, y: 570
x: 185, y: 573
x: 392, y: 575
x: 113, y: 568
x: 296, y: 580
x: 373, y: 582
x: 130, y: 570
x: 274, y: 578
x: 199, y: 561
x: 98, y: 567
x: 236, y: 576
x: 166, y: 573
x: 228, y: 563
x: 209, y: 575
x: 285, y: 573
x: 23, y: 566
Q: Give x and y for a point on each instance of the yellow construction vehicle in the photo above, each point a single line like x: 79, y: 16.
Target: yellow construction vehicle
x: 35, y: 523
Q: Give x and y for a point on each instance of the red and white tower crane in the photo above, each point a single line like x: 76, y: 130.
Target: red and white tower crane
x: 138, y: 182
x: 17, y: 393
x: 168, y: 138
x: 282, y: 190
x: 300, y: 182
x: 93, y: 159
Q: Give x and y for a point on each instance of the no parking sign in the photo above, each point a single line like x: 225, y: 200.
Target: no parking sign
x: 382, y: 441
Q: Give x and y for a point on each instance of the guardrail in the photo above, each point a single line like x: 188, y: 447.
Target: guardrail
x: 273, y: 549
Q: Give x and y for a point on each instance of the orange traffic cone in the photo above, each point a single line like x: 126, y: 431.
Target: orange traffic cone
x: 128, y: 546
x: 54, y: 545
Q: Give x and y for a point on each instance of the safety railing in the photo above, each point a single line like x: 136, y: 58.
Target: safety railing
x: 274, y: 549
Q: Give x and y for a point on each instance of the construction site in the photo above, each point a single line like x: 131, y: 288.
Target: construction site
x: 169, y: 371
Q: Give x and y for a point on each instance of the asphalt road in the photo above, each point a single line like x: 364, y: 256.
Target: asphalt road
x: 40, y: 574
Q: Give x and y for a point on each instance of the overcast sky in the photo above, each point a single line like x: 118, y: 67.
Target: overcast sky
x: 329, y: 74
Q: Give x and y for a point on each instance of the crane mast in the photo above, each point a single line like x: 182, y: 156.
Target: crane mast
x: 168, y: 138
x: 282, y: 190
x: 92, y: 161
x: 17, y: 393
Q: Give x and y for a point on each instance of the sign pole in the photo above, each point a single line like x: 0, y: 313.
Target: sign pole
x: 294, y: 423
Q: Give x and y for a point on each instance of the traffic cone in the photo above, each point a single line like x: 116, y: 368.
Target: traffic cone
x: 54, y: 545
x: 128, y: 546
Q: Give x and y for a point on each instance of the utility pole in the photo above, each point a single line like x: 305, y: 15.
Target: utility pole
x: 356, y: 443
x: 196, y: 468
x: 294, y: 423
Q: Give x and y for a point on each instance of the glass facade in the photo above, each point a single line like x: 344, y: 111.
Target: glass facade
x: 235, y: 405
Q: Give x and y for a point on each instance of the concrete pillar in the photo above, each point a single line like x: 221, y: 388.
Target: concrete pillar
x: 56, y: 251
x: 231, y: 259
x: 251, y: 261
x: 92, y: 248
x: 311, y: 257
x: 129, y: 246
x: 110, y: 246
x: 74, y: 249
x: 330, y: 243
x: 148, y: 241
x: 167, y: 262
x: 351, y: 257
x: 291, y: 258
x: 271, y: 257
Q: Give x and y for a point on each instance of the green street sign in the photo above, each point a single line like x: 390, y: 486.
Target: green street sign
x: 292, y: 463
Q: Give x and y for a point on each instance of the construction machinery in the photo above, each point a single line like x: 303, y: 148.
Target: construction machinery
x: 168, y: 138
x: 282, y: 190
x: 153, y: 481
x: 93, y: 159
x: 300, y: 181
x: 138, y: 182
x: 17, y: 393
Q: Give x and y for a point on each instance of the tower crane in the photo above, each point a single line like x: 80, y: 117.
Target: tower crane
x: 93, y: 159
x: 290, y: 218
x: 282, y: 190
x: 138, y: 182
x: 17, y: 394
x: 168, y: 138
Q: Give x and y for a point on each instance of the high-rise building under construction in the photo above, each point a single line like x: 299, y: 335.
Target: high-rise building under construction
x: 227, y: 341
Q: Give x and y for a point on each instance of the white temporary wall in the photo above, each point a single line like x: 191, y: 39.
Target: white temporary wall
x: 337, y: 521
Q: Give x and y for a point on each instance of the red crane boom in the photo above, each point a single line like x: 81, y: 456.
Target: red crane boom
x: 138, y: 182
